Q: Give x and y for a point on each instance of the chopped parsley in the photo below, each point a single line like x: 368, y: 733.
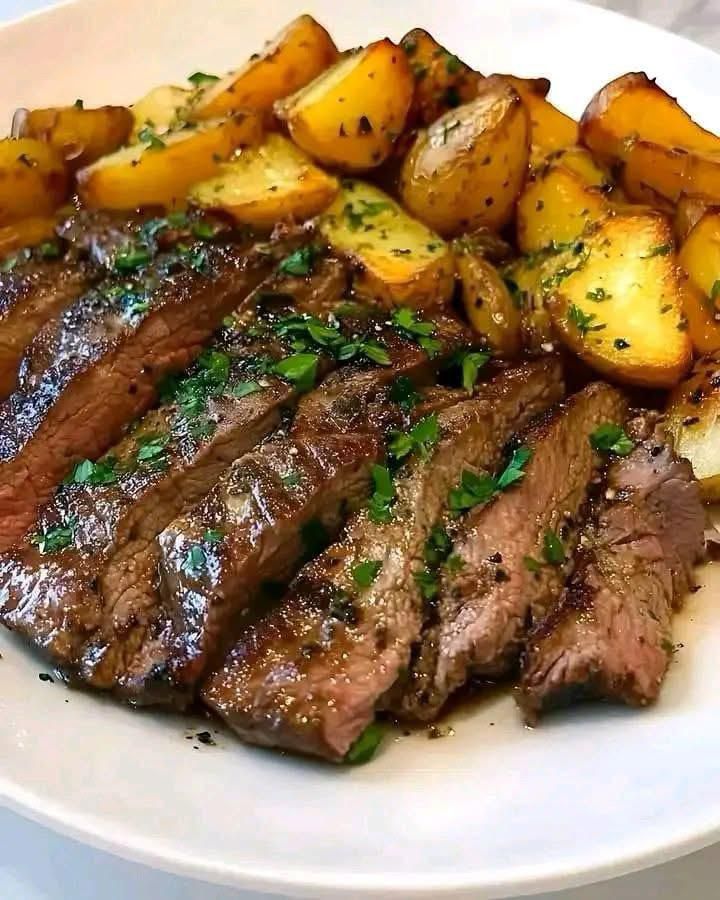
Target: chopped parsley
x: 198, y: 78
x: 213, y: 536
x: 405, y: 320
x: 553, y: 549
x: 291, y: 479
x: 300, y: 262
x: 581, y: 320
x: 429, y: 583
x: 357, y: 211
x: 611, y: 438
x: 515, y: 469
x: 437, y: 546
x: 598, y: 295
x: 194, y: 561
x: 88, y: 472
x: 371, y: 350
x: 659, y: 250
x: 478, y: 489
x: 49, y: 250
x: 421, y: 438
x: 471, y: 361
x: 132, y: 258
x: 383, y: 497
x: 365, y: 747
x: 300, y: 369
x: 532, y: 565
x: 403, y: 392
x: 244, y: 388
x: 151, y: 450
x: 364, y: 573
x: 52, y: 540
x: 147, y: 136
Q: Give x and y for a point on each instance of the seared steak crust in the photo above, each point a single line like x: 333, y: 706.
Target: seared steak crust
x: 488, y: 599
x: 610, y: 635
x: 310, y: 675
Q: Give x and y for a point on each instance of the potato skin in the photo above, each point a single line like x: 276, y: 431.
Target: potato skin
x: 80, y: 136
x: 33, y: 179
x: 693, y: 419
x: 469, y: 167
x: 490, y: 307
x: 398, y: 260
x: 700, y: 258
x: 442, y: 81
x: 550, y: 129
x: 653, y: 173
x: 143, y: 175
x: 297, y: 55
x: 350, y: 116
x: 625, y: 277
x: 267, y: 184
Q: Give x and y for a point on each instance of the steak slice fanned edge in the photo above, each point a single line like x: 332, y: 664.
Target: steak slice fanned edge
x: 310, y: 675
x: 504, y: 571
x: 610, y: 634
x: 106, y: 354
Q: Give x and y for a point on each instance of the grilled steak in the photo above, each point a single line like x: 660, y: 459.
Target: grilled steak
x: 268, y: 508
x: 95, y: 368
x: 478, y: 621
x: 310, y: 675
x: 610, y: 634
x: 90, y: 589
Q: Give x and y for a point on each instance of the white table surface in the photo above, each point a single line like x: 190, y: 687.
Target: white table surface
x: 36, y: 864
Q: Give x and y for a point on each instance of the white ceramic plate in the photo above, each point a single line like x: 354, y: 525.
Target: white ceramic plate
x: 495, y: 810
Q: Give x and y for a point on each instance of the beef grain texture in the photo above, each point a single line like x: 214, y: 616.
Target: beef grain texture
x: 310, y: 675
x: 94, y: 369
x: 610, y: 635
x: 485, y: 604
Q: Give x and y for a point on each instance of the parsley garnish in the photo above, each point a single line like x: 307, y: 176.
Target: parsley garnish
x: 437, y: 546
x: 291, y: 479
x: 454, y: 564
x: 403, y: 392
x: 381, y: 501
x: 194, y: 561
x: 581, y: 320
x: 147, y: 136
x: 51, y: 540
x: 421, y: 438
x: 471, y: 361
x: 49, y: 250
x: 357, y: 211
x: 598, y: 295
x: 477, y: 489
x: 659, y: 250
x: 514, y: 471
x: 300, y: 369
x: 372, y: 350
x: 88, y: 472
x: 532, y: 565
x: 213, y: 536
x: 611, y: 438
x: 243, y: 388
x: 132, y: 258
x: 365, y: 747
x: 428, y: 582
x: 300, y: 262
x: 553, y: 550
x: 198, y: 78
x: 406, y: 322
x: 366, y: 572
x: 151, y: 449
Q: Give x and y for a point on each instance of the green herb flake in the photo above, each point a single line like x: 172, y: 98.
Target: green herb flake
x: 194, y: 562
x: 532, y: 565
x: 403, y: 392
x: 473, y: 491
x: 514, y: 471
x: 88, y: 472
x: 49, y: 250
x: 421, y: 438
x: 147, y: 136
x: 291, y: 479
x: 151, y: 449
x: 364, y: 573
x: 715, y: 291
x: 428, y: 582
x: 553, y: 549
x: 437, y: 546
x: 200, y: 78
x: 300, y: 369
x: 300, y: 262
x: 52, y: 540
x: 581, y: 320
x: 383, y: 497
x: 365, y: 747
x: 405, y: 320
x: 598, y: 295
x: 245, y: 388
x: 659, y: 250
x: 471, y: 361
x: 213, y: 536
x: 611, y: 438
x: 357, y: 211
x: 132, y: 258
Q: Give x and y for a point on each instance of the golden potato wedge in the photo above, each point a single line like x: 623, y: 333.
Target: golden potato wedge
x: 523, y: 278
x: 616, y: 300
x: 399, y: 260
x: 442, y: 81
x: 78, y: 135
x: 350, y: 115
x: 700, y: 258
x: 493, y: 311
x: 272, y: 182
x: 580, y: 161
x: 634, y: 107
x: 469, y: 167
x: 297, y: 55
x: 688, y: 213
x: 33, y: 179
x: 160, y: 110
x: 557, y: 205
x: 653, y: 173
x: 694, y: 422
x: 26, y: 233
x: 159, y: 173
x: 540, y: 87
x: 550, y: 129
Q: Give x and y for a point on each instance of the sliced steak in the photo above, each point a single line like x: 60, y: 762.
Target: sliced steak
x: 268, y: 507
x: 487, y: 598
x: 309, y: 676
x: 96, y: 367
x: 610, y: 636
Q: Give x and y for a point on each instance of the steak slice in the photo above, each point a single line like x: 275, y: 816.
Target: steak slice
x: 486, y: 600
x: 96, y: 367
x: 268, y: 508
x: 609, y: 636
x: 89, y: 591
x: 310, y: 675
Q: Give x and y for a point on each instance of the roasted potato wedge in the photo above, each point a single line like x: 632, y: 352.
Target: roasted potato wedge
x: 493, y: 311
x: 160, y: 173
x: 688, y: 213
x: 78, y: 135
x: 26, y: 233
x: 296, y: 56
x: 694, y: 421
x: 616, y: 300
x: 399, y: 260
x: 652, y: 173
x: 161, y: 110
x: 557, y: 205
x: 469, y: 167
x: 33, y: 179
x: 700, y: 258
x: 550, y: 129
x: 523, y: 278
x: 540, y: 87
x: 272, y: 182
x: 442, y: 81
x: 350, y: 115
